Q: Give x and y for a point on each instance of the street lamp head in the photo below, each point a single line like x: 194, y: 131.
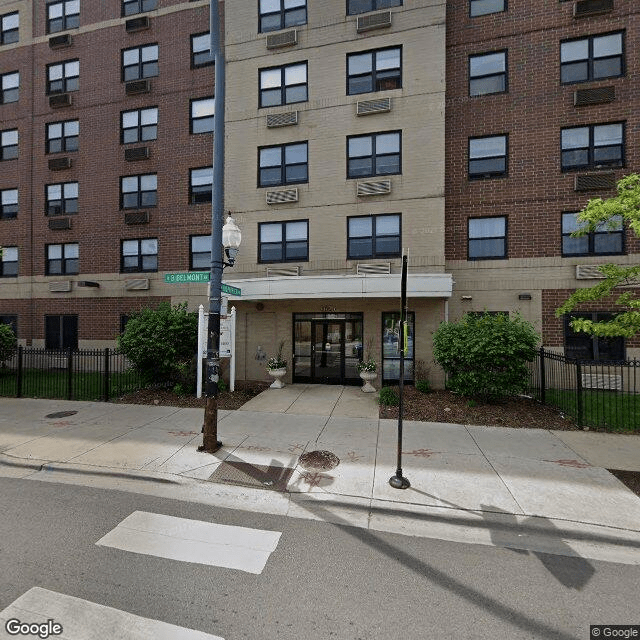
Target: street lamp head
x: 231, y: 238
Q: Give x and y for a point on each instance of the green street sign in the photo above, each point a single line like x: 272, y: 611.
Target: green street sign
x: 198, y: 276
x: 234, y: 291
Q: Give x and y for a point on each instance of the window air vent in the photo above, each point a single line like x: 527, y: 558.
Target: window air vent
x: 282, y: 119
x: 588, y: 272
x: 136, y: 153
x: 600, y: 95
x: 373, y: 188
x: 365, y: 107
x: 282, y: 195
x: 137, y: 24
x: 60, y: 100
x: 374, y: 21
x: 595, y: 181
x: 282, y: 272
x: 59, y: 164
x: 284, y: 39
x: 364, y: 268
x: 59, y: 224
x: 139, y: 217
x: 62, y: 286
x: 138, y: 86
x: 584, y: 8
x: 139, y: 284
x: 58, y: 42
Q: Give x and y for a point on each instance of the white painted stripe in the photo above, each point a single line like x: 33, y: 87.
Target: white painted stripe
x: 84, y: 620
x: 186, y: 540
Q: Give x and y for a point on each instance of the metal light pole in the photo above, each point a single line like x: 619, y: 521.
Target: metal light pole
x: 210, y: 442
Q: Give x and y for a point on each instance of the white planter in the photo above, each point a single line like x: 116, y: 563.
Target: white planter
x: 278, y: 374
x: 368, y: 377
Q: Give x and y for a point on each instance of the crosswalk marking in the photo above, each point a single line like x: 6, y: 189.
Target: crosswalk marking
x: 81, y: 619
x: 193, y: 541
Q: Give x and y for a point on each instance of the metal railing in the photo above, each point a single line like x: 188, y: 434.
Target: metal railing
x: 598, y: 394
x: 73, y: 374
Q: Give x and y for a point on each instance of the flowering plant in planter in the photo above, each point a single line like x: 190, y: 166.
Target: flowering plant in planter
x: 369, y: 363
x: 277, y: 361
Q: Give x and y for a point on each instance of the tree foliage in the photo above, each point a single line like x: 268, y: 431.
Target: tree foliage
x: 161, y: 343
x: 485, y: 356
x: 606, y: 214
x: 8, y: 343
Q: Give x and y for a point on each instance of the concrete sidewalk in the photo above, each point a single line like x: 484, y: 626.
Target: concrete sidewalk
x: 530, y: 489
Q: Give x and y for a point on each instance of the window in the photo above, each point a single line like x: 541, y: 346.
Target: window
x: 9, y: 27
x: 139, y: 62
x: 62, y: 136
x: 200, y: 252
x: 283, y: 241
x: 592, y: 58
x: 283, y: 164
x: 139, y: 255
x: 280, y: 14
x: 9, y: 87
x: 11, y: 320
x: 63, y: 15
x: 63, y: 77
x: 201, y: 115
x: 8, y: 203
x: 201, y: 55
x: 488, y: 73
x: 62, y: 259
x: 61, y: 332
x: 129, y: 7
x: 9, y: 262
x: 391, y: 332
x: 362, y: 6
x: 379, y: 70
x: 373, y: 236
x: 487, y: 238
x: 9, y: 144
x: 138, y: 192
x: 487, y: 157
x: 582, y: 346
x: 200, y: 185
x: 483, y: 7
x: 605, y: 240
x: 377, y: 154
x: 283, y: 85
x: 592, y: 146
x: 139, y: 125
x: 62, y: 199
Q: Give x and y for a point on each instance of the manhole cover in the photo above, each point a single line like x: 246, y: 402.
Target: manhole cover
x: 319, y: 461
x: 252, y: 475
x: 61, y: 414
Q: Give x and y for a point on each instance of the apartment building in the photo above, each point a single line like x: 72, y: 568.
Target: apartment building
x: 465, y: 134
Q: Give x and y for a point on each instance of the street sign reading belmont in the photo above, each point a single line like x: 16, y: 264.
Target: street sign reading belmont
x: 198, y: 276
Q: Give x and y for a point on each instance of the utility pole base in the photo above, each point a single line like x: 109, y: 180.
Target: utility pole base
x: 210, y: 447
x: 399, y: 482
x: 210, y: 442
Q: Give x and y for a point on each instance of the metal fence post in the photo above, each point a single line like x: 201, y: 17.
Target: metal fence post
x: 543, y: 382
x: 19, y: 376
x: 69, y: 374
x: 579, y: 416
x: 106, y: 375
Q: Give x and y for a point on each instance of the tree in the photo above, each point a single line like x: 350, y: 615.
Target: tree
x: 161, y: 343
x: 485, y: 356
x: 607, y: 214
x: 8, y: 343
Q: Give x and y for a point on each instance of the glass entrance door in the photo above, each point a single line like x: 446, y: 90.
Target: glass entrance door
x: 327, y: 351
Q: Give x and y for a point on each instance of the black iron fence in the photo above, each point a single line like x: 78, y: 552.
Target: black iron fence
x: 596, y: 394
x: 75, y: 374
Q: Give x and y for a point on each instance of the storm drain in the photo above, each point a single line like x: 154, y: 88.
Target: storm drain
x: 319, y: 460
x: 256, y: 476
x: 61, y: 414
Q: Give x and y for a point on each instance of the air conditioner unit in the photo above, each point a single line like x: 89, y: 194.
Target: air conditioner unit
x: 61, y: 41
x: 282, y: 39
x: 365, y: 107
x: 60, y: 100
x: 595, y: 181
x: 139, y: 284
x: 61, y: 286
x: 585, y: 8
x: 282, y: 119
x: 136, y: 153
x: 282, y: 272
x: 373, y: 188
x: 59, y: 224
x: 589, y: 272
x: 282, y: 196
x: 136, y: 87
x: 364, y: 268
x: 139, y: 217
x: 59, y: 164
x: 371, y: 21
x: 137, y: 24
x: 599, y: 95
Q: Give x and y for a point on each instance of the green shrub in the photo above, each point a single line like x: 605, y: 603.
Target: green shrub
x: 8, y: 343
x: 485, y: 356
x: 388, y: 397
x: 424, y: 386
x: 161, y: 344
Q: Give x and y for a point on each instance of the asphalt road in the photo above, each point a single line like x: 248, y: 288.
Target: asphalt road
x: 321, y: 581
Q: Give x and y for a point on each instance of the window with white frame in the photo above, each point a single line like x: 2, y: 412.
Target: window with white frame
x: 139, y: 62
x: 281, y: 14
x: 202, y: 114
x: 487, y: 238
x: 9, y: 144
x: 605, y: 239
x: 63, y: 15
x: 362, y: 6
x: 593, y: 146
x: 139, y: 192
x: 487, y: 157
x: 488, y: 73
x: 9, y: 28
x: 378, y: 70
x: 200, y: 252
x: 9, y: 262
x: 62, y: 259
x: 200, y: 185
x: 139, y: 255
x: 63, y: 77
x: 8, y: 203
x: 485, y: 7
x: 139, y: 125
x: 62, y: 136
x: 283, y: 164
x: 592, y: 58
x: 375, y: 154
x: 61, y: 199
x: 283, y: 241
x: 201, y: 55
x: 376, y: 236
x: 283, y: 85
x: 9, y: 87
x: 131, y: 7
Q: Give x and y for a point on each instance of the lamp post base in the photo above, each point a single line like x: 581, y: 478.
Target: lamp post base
x: 399, y: 482
x: 208, y: 448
